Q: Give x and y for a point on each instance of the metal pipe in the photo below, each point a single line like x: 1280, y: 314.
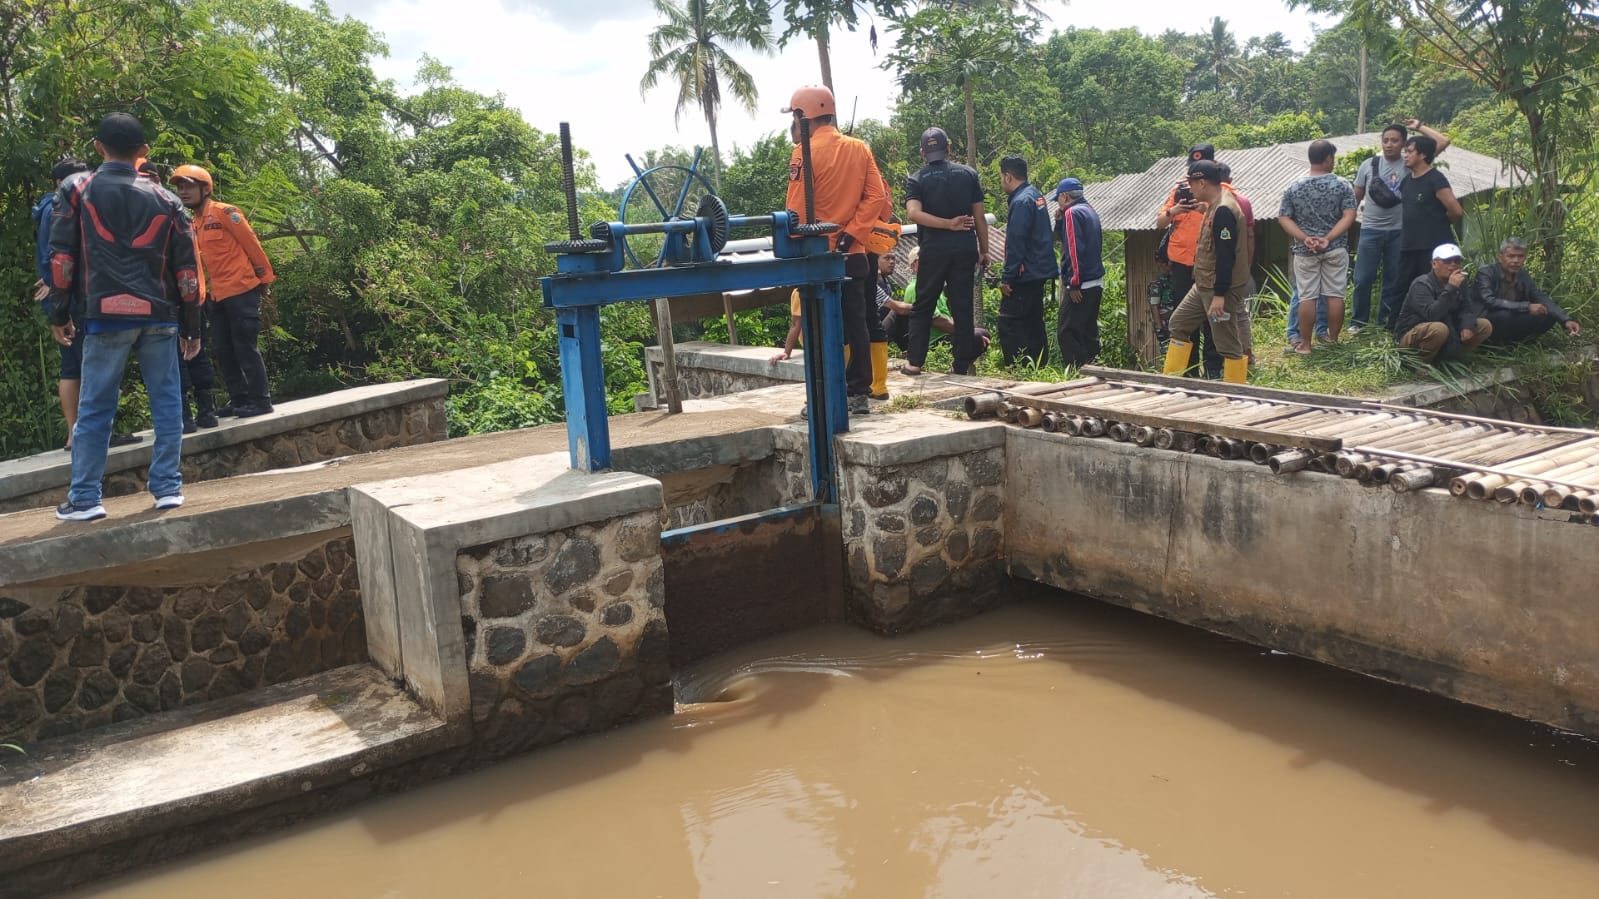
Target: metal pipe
x: 1412, y: 479
x: 1069, y: 425
x: 1259, y: 453
x: 982, y: 405
x: 1290, y: 461
x: 1382, y: 472
x: 1118, y: 432
x: 1093, y: 427
x: 1143, y: 435
x: 1165, y: 438
x: 1344, y: 463
x: 1049, y: 423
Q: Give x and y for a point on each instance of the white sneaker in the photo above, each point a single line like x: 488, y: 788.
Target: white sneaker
x: 170, y: 501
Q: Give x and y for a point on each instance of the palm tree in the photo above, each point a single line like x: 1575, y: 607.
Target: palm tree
x: 691, y: 46
x: 1219, y: 57
x: 815, y: 19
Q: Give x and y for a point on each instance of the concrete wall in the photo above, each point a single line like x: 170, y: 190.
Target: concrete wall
x: 79, y: 657
x: 297, y: 432
x: 1487, y: 604
x: 921, y: 505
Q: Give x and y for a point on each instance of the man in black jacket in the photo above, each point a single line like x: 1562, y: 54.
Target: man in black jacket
x: 1514, y: 305
x: 1439, y: 320
x: 125, y: 247
x: 1029, y: 263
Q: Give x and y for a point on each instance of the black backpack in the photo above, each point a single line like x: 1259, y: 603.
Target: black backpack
x: 1379, y: 191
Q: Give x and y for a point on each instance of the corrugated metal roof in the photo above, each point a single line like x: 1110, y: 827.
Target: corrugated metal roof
x: 1130, y: 202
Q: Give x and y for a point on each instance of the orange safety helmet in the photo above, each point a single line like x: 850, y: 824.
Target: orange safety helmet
x: 192, y: 173
x: 812, y: 101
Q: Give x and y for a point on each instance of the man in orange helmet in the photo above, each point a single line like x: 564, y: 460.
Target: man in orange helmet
x: 238, y: 271
x: 849, y: 192
x: 197, y: 375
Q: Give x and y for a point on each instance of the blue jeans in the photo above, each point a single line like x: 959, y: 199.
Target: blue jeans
x: 105, y: 355
x: 1293, y: 318
x: 1377, y: 248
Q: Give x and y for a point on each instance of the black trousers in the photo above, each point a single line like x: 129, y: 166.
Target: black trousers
x: 198, y: 373
x: 954, y: 275
x: 235, y: 327
x: 1077, y: 327
x: 1514, y: 327
x: 858, y: 372
x: 1021, y: 323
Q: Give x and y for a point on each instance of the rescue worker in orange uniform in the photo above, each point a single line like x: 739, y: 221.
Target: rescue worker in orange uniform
x: 196, y: 373
x: 848, y: 192
x: 239, y: 272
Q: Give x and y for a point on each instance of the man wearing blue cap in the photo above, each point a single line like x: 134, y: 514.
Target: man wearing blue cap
x: 1082, y: 274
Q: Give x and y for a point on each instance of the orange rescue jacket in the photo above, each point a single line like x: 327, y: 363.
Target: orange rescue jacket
x: 1185, y: 230
x: 232, y: 254
x: 849, y: 188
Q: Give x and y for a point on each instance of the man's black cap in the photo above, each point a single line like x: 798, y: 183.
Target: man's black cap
x: 1201, y: 151
x: 935, y: 144
x: 121, y: 133
x: 66, y: 168
x: 1206, y: 170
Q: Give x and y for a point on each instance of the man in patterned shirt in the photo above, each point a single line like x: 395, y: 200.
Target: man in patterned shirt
x: 1317, y: 212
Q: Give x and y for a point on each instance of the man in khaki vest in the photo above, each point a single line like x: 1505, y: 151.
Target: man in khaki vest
x: 1221, y: 276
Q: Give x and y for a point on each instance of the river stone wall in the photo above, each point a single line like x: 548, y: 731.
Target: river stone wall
x: 923, y: 523
x: 219, y: 454
x: 565, y: 632
x: 82, y: 657
x: 707, y: 369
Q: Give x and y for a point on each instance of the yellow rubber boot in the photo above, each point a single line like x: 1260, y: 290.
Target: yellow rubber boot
x: 1177, y: 356
x: 880, y: 371
x: 1235, y: 371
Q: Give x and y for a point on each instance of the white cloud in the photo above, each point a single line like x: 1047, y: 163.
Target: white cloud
x: 562, y: 61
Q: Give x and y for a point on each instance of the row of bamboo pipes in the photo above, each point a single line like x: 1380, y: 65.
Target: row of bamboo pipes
x: 1404, y: 449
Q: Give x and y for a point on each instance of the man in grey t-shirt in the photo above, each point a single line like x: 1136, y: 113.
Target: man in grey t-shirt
x: 1317, y: 212
x: 1379, y: 227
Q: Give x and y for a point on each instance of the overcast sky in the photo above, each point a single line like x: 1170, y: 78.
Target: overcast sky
x: 580, y: 61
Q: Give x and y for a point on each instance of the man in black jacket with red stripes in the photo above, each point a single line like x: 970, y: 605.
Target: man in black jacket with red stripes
x: 125, y: 247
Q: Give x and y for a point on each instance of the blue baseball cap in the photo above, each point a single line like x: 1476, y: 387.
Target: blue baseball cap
x: 1069, y: 184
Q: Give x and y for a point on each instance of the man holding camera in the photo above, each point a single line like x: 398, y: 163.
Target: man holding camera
x: 1221, y: 278
x: 1439, y: 319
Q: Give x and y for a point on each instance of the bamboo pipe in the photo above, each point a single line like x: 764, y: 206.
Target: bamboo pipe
x: 982, y: 405
x: 1408, y: 431
x: 1028, y: 417
x: 1588, y: 504
x: 1363, y: 469
x: 1573, y: 501
x: 1493, y: 449
x: 1555, y: 497
x: 1344, y: 463
x: 1433, y: 438
x: 1355, y: 431
x: 1117, y: 432
x: 1165, y: 402
x: 1479, y: 487
x: 1539, y: 463
x: 1338, y: 421
x: 1381, y: 473
x: 1583, y: 477
x: 1412, y: 479
x: 1303, y: 421
x: 1319, y: 465
x: 1093, y: 427
x: 1289, y: 462
x: 1490, y: 469
x: 1509, y: 493
x: 1048, y: 424
x: 1165, y: 438
x: 1070, y: 425
x: 1143, y: 435
x: 1260, y: 453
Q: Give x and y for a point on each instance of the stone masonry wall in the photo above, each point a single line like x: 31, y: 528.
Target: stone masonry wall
x: 89, y: 656
x: 565, y: 632
x: 780, y: 480
x: 924, y: 542
x: 403, y: 425
x: 700, y: 383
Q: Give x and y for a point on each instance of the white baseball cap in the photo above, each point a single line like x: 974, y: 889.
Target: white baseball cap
x: 1447, y: 251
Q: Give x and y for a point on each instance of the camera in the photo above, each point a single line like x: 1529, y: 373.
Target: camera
x: 1185, y: 194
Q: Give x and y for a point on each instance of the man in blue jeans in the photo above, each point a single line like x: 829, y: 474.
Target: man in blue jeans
x: 1381, y: 215
x: 126, y: 248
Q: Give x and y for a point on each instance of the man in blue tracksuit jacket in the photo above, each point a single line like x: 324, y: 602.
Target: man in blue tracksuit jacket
x: 1029, y: 264
x: 1082, y: 274
x: 71, y: 353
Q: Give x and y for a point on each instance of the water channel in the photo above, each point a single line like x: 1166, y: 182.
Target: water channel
x: 1056, y: 748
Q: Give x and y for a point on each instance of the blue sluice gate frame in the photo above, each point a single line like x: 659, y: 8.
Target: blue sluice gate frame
x: 584, y: 282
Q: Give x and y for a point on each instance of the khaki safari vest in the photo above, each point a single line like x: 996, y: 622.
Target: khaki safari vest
x: 1205, y: 255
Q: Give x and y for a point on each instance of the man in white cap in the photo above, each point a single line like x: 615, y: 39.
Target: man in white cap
x: 1439, y: 319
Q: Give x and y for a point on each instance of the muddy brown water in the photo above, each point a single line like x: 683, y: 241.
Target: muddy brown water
x: 1056, y: 748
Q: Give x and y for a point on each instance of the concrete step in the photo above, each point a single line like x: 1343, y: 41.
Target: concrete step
x: 83, y: 793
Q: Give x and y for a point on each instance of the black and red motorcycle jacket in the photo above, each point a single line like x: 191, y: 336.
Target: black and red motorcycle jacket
x: 127, y: 247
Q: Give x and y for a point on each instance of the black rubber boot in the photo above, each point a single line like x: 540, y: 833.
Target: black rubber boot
x: 205, y: 414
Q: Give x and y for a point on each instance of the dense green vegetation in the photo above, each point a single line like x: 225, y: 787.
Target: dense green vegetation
x: 408, y: 228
